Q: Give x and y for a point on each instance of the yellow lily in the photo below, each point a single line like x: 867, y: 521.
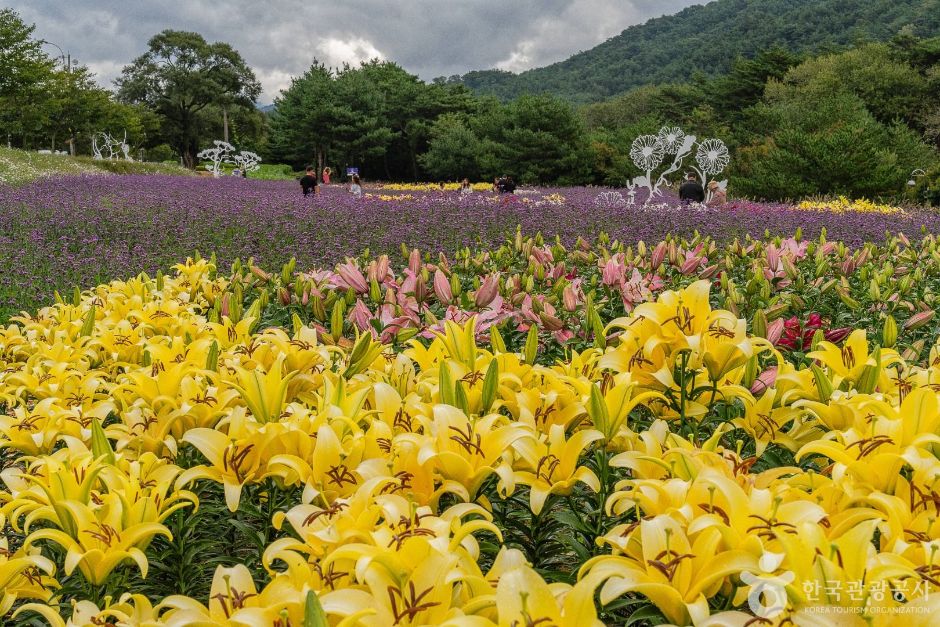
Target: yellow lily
x: 102, y: 538
x: 676, y: 573
x: 556, y: 469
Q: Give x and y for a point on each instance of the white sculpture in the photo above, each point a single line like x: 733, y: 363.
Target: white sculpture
x: 218, y: 155
x: 116, y: 148
x: 224, y: 152
x: 246, y: 161
x: 610, y: 199
x: 648, y: 153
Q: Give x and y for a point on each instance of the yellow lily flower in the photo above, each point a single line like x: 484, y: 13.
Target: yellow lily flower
x: 556, y: 469
x: 676, y: 573
x: 103, y: 537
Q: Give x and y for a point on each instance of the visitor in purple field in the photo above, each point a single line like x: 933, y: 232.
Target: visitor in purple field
x: 718, y: 195
x: 465, y: 187
x: 442, y: 187
x: 355, y: 187
x: 691, y: 191
x: 326, y: 175
x: 308, y: 182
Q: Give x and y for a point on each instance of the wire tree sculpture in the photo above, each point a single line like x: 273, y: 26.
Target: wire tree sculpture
x: 246, y: 161
x: 649, y: 153
x: 219, y: 153
x: 223, y: 152
x: 103, y: 142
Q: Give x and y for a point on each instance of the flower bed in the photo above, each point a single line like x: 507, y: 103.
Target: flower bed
x: 75, y: 231
x: 526, y: 435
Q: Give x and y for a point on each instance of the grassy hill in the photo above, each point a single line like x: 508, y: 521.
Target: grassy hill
x: 707, y: 39
x: 21, y: 166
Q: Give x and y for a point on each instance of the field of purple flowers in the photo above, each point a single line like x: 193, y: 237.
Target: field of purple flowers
x: 56, y: 234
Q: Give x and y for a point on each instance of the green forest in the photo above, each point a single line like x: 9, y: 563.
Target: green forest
x: 707, y: 40
x: 806, y: 115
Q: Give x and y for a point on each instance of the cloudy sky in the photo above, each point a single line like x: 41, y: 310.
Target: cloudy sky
x: 280, y: 38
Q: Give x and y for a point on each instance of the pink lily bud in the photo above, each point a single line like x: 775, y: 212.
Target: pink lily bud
x: 773, y: 258
x: 862, y: 257
x: 284, y: 296
x: 225, y: 309
x: 353, y: 277
x: 837, y: 335
x: 690, y: 265
x: 414, y: 261
x: 848, y: 267
x: 918, y: 320
x: 709, y: 272
x: 775, y: 331
x: 764, y: 381
x: 487, y: 292
x: 421, y: 289
x: 442, y: 288
x: 569, y: 298
x: 659, y: 254
x: 551, y: 323
x: 360, y: 316
x: 305, y: 298
x: 261, y: 274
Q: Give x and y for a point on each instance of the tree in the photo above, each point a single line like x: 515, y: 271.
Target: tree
x: 829, y: 146
x: 537, y: 139
x: 453, y: 151
x: 302, y: 124
x: 24, y: 71
x: 179, y: 76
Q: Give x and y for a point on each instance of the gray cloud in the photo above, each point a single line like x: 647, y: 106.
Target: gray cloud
x: 280, y: 38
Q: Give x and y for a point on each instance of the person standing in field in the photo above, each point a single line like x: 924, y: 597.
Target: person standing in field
x: 355, y: 187
x: 326, y: 175
x: 691, y: 191
x: 465, y: 187
x: 718, y: 195
x: 308, y: 182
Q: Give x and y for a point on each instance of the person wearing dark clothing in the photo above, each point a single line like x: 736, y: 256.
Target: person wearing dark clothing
x: 506, y: 185
x: 308, y: 182
x: 691, y: 191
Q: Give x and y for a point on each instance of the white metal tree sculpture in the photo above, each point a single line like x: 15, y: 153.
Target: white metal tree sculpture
x: 103, y: 142
x: 220, y: 153
x: 649, y: 153
x: 223, y: 152
x: 246, y: 161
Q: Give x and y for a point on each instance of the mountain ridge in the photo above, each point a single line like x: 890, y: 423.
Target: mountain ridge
x: 706, y: 39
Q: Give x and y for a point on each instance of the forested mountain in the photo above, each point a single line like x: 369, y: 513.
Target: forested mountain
x: 708, y: 39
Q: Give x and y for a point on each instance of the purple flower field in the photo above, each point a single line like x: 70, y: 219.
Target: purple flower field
x: 59, y: 233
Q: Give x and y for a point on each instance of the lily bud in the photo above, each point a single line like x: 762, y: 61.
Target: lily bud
x: 775, y: 331
x: 487, y: 292
x: 414, y: 261
x: 918, y: 320
x: 659, y: 254
x: 284, y: 296
x: 759, y: 324
x: 569, y: 298
x: 837, y: 335
x: 442, y: 288
x: 375, y: 292
x: 889, y: 332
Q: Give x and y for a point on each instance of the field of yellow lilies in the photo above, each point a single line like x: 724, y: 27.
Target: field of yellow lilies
x: 168, y: 460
